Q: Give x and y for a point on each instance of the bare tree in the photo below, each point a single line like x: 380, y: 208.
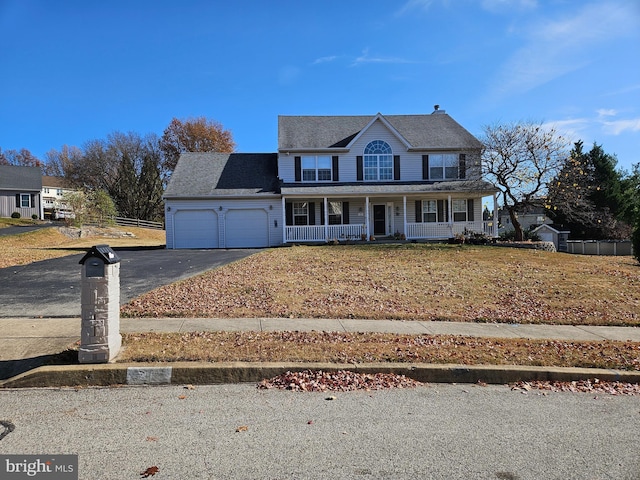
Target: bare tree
x: 521, y: 159
x: 194, y: 135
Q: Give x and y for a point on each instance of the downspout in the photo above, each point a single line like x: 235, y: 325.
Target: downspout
x: 495, y: 215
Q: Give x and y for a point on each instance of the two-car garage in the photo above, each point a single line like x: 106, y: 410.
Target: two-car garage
x: 208, y: 228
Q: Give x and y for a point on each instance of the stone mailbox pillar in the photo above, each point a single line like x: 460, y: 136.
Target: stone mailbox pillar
x: 100, y: 338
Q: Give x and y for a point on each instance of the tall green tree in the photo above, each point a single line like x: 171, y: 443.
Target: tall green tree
x: 586, y: 196
x: 521, y: 159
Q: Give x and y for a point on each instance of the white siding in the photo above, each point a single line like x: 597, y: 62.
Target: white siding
x: 272, y: 208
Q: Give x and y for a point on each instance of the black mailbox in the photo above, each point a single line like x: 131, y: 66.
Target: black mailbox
x: 96, y: 258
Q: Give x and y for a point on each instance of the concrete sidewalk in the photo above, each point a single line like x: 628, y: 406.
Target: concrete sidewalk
x: 27, y: 343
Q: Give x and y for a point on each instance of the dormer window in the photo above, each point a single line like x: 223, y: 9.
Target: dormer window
x: 378, y: 161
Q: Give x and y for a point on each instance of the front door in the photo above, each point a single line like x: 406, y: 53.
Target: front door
x: 379, y: 219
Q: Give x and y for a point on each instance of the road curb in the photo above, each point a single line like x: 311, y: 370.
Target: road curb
x: 197, y: 373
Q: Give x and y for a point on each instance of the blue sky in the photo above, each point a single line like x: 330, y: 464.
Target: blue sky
x: 74, y: 71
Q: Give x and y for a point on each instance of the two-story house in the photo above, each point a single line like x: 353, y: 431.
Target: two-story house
x: 334, y: 177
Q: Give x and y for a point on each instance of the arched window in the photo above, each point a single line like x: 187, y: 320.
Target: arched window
x: 378, y: 161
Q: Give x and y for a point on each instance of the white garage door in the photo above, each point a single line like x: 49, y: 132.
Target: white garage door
x: 247, y: 228
x: 195, y: 229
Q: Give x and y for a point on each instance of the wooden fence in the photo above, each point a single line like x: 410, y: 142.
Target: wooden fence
x: 127, y: 222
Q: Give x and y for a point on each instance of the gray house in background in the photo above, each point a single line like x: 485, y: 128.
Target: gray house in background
x: 416, y: 177
x: 20, y: 190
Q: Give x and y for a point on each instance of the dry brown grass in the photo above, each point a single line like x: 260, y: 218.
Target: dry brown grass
x: 409, y: 282
x: 374, y: 347
x: 49, y: 243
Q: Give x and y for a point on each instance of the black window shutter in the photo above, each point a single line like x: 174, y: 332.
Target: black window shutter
x: 288, y: 208
x: 443, y: 211
x: 334, y: 165
x: 425, y: 167
x: 321, y: 213
x: 359, y: 169
x: 470, y: 210
x: 396, y: 167
x: 418, y: 211
x: 17, y: 200
x: 298, y: 167
x: 33, y: 200
x: 462, y: 166
x: 312, y: 213
x: 345, y: 213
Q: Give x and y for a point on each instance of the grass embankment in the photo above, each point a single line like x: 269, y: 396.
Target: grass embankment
x: 47, y: 243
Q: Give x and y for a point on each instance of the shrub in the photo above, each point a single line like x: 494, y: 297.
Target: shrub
x: 34, y: 216
x: 15, y: 215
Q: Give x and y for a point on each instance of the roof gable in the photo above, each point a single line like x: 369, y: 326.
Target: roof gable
x: 437, y: 131
x: 213, y: 174
x: 14, y: 177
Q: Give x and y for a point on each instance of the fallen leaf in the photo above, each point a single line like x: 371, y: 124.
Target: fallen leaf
x: 330, y: 398
x: 152, y: 439
x: 242, y: 428
x: 189, y: 387
x: 182, y: 397
x: 310, y: 422
x: 150, y: 472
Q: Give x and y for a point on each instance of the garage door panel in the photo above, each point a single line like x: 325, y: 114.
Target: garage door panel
x: 196, y: 229
x: 246, y: 228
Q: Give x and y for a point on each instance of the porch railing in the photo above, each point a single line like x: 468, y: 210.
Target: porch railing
x: 426, y: 230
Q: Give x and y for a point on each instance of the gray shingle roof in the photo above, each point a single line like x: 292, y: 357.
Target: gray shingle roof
x: 434, y: 131
x: 467, y: 186
x: 20, y: 178
x: 215, y: 174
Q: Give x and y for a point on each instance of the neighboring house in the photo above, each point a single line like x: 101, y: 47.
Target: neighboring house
x: 532, y: 218
x: 20, y: 191
x: 333, y: 177
x: 53, y: 191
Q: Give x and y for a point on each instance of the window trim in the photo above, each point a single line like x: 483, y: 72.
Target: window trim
x: 375, y: 153
x: 296, y: 207
x: 460, y: 211
x: 22, y: 197
x: 340, y: 216
x: 447, y: 161
x: 327, y: 172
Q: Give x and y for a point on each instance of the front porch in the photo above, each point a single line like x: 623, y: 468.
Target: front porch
x: 351, y: 219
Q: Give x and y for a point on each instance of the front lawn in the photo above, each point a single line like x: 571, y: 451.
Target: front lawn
x: 409, y: 282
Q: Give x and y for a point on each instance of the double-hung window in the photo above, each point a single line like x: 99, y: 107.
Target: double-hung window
x: 25, y: 200
x: 443, y: 166
x: 459, y: 210
x: 316, y: 169
x: 335, y: 213
x: 378, y: 161
x: 300, y: 213
x: 429, y: 211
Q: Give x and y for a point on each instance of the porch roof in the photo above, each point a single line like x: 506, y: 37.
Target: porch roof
x: 471, y: 187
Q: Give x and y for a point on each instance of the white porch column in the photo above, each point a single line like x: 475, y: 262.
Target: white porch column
x: 366, y: 216
x: 404, y: 215
x: 450, y: 209
x: 326, y: 219
x: 495, y: 214
x: 284, y: 221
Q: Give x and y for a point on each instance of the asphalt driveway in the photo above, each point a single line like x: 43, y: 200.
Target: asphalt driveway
x: 51, y: 288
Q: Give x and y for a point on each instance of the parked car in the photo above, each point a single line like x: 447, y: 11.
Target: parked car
x: 63, y: 214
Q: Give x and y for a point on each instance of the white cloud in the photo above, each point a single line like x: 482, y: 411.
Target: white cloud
x: 607, y: 112
x: 366, y: 58
x: 556, y: 47
x: 327, y: 59
x: 413, y: 5
x: 501, y: 6
x: 620, y: 126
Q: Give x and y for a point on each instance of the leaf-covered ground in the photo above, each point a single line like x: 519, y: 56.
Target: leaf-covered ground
x: 409, y: 282
x: 339, y: 347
